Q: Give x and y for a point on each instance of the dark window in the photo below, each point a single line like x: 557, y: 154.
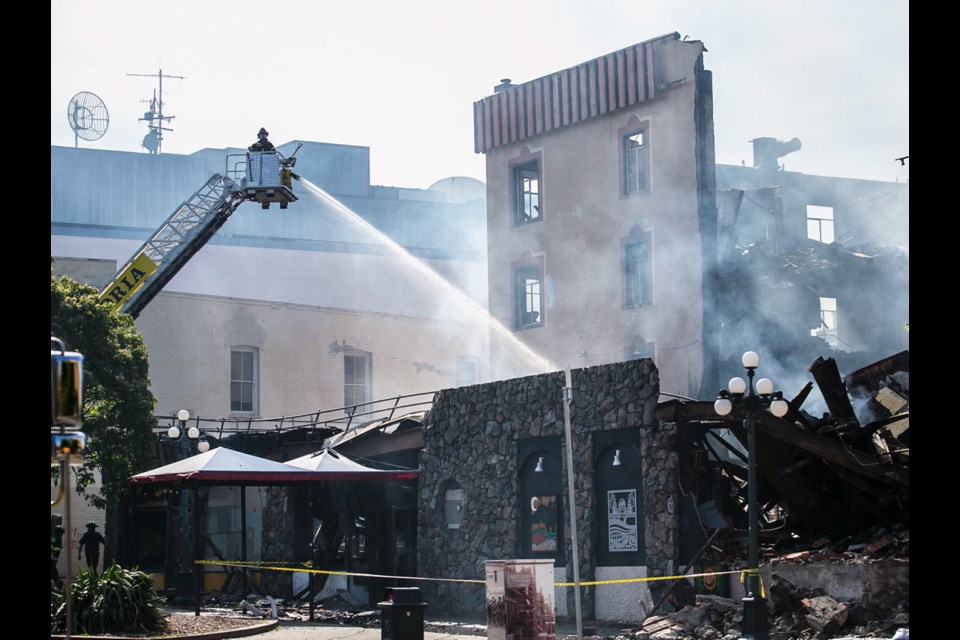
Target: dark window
x: 528, y: 296
x: 542, y: 511
x: 638, y: 267
x: 640, y: 348
x: 243, y: 380
x: 636, y: 161
x: 526, y: 190
x: 619, y: 498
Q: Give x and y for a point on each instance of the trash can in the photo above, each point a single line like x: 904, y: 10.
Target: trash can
x: 401, y: 616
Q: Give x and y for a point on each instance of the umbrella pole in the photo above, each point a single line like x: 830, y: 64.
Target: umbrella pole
x: 197, y: 568
x: 313, y: 550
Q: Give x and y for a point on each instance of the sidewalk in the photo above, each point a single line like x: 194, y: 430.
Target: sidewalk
x: 447, y: 628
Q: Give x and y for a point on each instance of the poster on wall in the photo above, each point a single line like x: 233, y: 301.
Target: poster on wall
x: 543, y: 523
x: 520, y: 600
x: 622, y: 519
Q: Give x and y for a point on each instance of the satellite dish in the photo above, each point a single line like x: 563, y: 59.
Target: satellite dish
x: 87, y: 116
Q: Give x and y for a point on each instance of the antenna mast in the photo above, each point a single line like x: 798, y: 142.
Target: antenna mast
x: 153, y: 141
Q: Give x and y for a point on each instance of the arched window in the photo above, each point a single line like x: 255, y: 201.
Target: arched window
x: 541, y: 507
x: 619, y: 498
x: 453, y: 505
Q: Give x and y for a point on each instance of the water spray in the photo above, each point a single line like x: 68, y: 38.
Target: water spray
x: 541, y: 364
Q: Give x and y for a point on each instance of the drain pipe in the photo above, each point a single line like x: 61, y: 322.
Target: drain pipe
x: 567, y: 399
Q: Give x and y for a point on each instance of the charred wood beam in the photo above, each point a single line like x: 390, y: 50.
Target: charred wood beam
x: 816, y: 444
x: 869, y: 377
x: 869, y: 429
x: 690, y: 566
x: 832, y: 388
x: 801, y: 397
x: 797, y: 491
x: 739, y: 454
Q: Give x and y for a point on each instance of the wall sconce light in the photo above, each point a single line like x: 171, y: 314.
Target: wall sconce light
x: 539, y: 468
x: 616, y: 459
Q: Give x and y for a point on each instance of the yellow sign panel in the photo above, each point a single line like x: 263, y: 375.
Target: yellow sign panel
x: 129, y: 280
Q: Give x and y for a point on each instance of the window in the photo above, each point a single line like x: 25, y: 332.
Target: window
x: 356, y: 380
x: 526, y: 189
x: 541, y: 485
x: 243, y: 380
x: 828, y: 322
x: 453, y: 505
x: 528, y: 297
x: 820, y: 223
x: 639, y: 348
x: 467, y: 371
x: 621, y: 519
x: 638, y: 268
x: 544, y: 524
x: 618, y: 492
x: 636, y: 161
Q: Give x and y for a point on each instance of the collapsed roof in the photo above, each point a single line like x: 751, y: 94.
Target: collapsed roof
x: 822, y: 479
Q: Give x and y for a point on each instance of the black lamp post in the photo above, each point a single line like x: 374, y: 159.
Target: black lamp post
x: 188, y: 439
x: 741, y: 394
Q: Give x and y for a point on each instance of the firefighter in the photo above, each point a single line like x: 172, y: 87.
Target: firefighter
x: 262, y: 144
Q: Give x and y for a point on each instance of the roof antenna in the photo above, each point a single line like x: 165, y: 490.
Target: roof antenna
x: 153, y: 141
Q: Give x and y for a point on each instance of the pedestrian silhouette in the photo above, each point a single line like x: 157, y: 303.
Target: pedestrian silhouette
x: 56, y: 544
x: 91, y: 541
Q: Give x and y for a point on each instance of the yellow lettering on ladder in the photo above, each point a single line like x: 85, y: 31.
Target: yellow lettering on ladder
x: 128, y: 280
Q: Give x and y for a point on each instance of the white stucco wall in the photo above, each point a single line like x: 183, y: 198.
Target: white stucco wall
x: 80, y: 514
x: 621, y: 602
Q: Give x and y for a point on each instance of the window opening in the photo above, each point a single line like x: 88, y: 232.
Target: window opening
x: 356, y: 380
x: 820, y: 223
x: 526, y: 185
x: 243, y: 380
x: 635, y: 162
x: 638, y: 271
x: 528, y: 292
x: 828, y: 322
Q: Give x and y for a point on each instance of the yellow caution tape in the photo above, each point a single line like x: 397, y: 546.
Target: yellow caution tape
x: 304, y: 568
x: 753, y: 572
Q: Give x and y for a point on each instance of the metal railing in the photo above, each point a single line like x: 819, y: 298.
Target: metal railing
x: 340, y: 419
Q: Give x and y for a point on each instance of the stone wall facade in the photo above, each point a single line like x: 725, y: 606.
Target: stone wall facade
x: 473, y: 442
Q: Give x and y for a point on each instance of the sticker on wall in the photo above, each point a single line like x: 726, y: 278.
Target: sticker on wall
x: 622, y: 520
x: 543, y: 523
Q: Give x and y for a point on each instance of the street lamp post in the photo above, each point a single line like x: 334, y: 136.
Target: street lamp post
x: 741, y: 393
x: 188, y: 439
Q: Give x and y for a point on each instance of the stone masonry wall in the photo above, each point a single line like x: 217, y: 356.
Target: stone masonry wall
x: 471, y: 437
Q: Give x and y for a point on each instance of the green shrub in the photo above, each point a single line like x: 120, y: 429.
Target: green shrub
x: 121, y: 601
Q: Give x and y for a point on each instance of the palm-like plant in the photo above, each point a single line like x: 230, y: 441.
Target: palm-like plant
x: 121, y: 601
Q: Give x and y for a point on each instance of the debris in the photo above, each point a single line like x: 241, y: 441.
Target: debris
x: 825, y: 614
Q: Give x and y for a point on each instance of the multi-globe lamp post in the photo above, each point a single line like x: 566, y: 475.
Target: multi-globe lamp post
x: 188, y: 440
x: 740, y: 393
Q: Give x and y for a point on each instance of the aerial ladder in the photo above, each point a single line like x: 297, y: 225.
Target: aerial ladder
x: 256, y: 176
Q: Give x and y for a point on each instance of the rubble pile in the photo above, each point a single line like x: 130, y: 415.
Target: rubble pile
x: 808, y: 614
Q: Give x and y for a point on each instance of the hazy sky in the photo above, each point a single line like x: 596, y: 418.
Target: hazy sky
x: 402, y: 77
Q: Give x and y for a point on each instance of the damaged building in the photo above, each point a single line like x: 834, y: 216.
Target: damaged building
x: 809, y: 265
x: 661, y: 491
x: 605, y: 238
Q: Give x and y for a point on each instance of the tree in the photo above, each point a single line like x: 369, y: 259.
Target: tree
x: 117, y: 403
